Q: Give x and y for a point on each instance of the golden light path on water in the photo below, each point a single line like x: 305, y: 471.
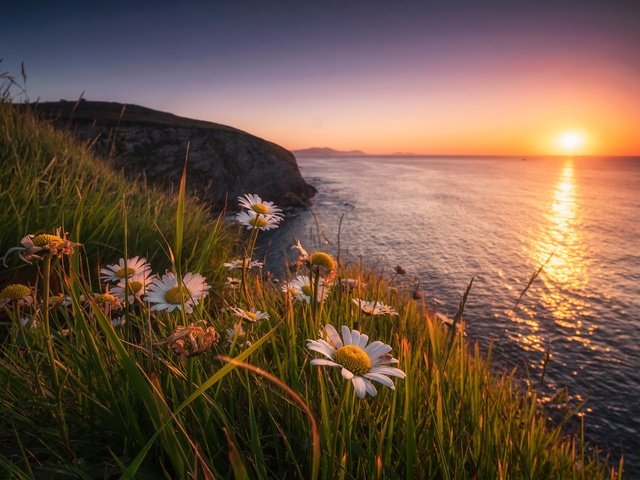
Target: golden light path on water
x: 561, y: 246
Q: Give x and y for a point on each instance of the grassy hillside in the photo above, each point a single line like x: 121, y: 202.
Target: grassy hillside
x: 85, y: 395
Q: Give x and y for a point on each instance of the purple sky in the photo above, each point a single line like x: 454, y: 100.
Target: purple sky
x: 432, y: 77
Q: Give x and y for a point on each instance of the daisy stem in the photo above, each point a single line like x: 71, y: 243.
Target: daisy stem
x: 338, y: 417
x: 46, y: 277
x: 315, y: 276
x: 246, y: 264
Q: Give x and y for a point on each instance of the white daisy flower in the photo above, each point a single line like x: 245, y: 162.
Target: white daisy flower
x: 233, y: 283
x: 118, y: 271
x: 254, y: 203
x: 300, y: 289
x: 237, y: 334
x: 449, y: 322
x: 251, y: 316
x: 359, y: 362
x: 303, y: 254
x: 253, y: 220
x: 374, y: 308
x: 138, y: 285
x: 164, y: 292
x: 240, y: 263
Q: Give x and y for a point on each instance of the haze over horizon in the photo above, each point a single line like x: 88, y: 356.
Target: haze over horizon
x: 468, y: 79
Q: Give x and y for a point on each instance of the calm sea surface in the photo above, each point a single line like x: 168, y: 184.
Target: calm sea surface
x: 499, y: 219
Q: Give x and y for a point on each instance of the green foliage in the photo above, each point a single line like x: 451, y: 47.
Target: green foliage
x: 126, y: 406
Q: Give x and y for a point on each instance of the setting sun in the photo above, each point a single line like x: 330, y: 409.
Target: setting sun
x: 571, y: 142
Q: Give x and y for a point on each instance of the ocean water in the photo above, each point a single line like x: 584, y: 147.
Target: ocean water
x: 446, y: 220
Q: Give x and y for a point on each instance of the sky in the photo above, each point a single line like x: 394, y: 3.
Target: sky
x: 466, y: 78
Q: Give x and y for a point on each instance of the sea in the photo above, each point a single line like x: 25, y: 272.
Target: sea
x: 570, y: 224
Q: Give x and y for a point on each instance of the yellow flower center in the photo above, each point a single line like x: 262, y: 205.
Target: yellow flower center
x: 15, y: 291
x: 260, y: 208
x: 251, y: 315
x: 46, y: 239
x: 258, y: 222
x: 306, y: 289
x: 106, y: 298
x: 174, y: 296
x: 353, y: 358
x: 135, y: 286
x: 322, y: 259
x: 124, y: 272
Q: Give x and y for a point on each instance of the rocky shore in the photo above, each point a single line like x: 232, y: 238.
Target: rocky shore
x: 224, y: 162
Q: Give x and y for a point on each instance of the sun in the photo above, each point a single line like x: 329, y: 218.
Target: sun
x: 571, y: 142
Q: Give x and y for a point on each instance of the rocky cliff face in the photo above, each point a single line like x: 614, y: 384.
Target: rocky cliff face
x: 223, y: 162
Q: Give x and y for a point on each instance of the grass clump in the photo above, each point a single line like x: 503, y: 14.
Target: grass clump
x: 182, y: 379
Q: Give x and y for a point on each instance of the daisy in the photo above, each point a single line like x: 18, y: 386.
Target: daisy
x: 138, y: 285
x: 374, y: 308
x: 240, y: 263
x: 35, y: 247
x: 360, y: 362
x: 121, y: 270
x: 300, y: 288
x: 108, y: 303
x: 233, y: 283
x: 192, y: 340
x: 460, y: 326
x: 251, y: 316
x: 254, y: 220
x: 236, y: 334
x: 17, y: 294
x: 165, y: 293
x: 254, y: 203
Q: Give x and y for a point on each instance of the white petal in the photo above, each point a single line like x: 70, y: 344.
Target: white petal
x: 358, y: 384
x: 355, y: 337
x: 379, y: 350
x: 316, y: 347
x: 378, y: 377
x: 346, y: 335
x: 394, y: 372
x: 363, y: 340
x: 333, y: 336
x: 324, y: 362
x: 371, y: 390
x: 346, y: 374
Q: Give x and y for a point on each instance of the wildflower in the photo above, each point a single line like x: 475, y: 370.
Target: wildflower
x: 107, y: 303
x: 374, y: 308
x: 59, y: 300
x: 324, y: 263
x: 125, y: 269
x: 35, y: 247
x: 138, y: 284
x: 254, y: 203
x: 165, y: 293
x: 303, y: 256
x: 360, y: 362
x: 233, y: 283
x: 417, y: 293
x: 399, y: 270
x: 235, y: 334
x: 192, y: 340
x: 241, y: 263
x: 300, y: 288
x: 251, y: 316
x: 16, y: 294
x: 254, y: 220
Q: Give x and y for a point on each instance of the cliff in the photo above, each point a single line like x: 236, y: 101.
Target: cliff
x: 224, y: 162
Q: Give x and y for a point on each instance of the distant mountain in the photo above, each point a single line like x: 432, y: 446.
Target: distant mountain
x: 327, y: 152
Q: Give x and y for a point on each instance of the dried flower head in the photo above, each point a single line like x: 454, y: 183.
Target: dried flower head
x: 108, y: 303
x: 35, y: 247
x: 399, y: 270
x: 192, y: 340
x: 16, y: 294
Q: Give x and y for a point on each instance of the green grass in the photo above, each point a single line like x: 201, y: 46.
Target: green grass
x: 124, y: 405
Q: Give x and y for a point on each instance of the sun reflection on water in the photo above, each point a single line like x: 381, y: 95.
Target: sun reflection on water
x: 565, y: 272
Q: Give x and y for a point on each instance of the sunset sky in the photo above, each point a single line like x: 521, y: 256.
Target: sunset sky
x: 380, y: 76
